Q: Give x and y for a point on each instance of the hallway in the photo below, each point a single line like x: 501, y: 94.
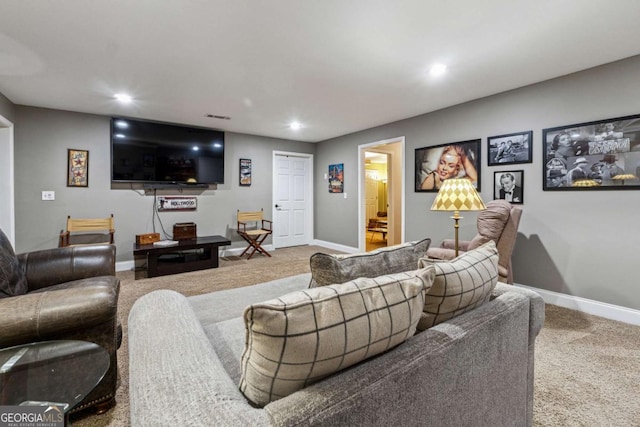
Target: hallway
x: 378, y: 241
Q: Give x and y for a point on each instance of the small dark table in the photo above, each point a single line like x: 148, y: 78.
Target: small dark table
x: 51, y: 373
x: 187, y: 255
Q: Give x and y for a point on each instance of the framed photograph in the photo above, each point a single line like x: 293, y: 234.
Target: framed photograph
x: 336, y: 178
x: 245, y: 172
x: 509, y: 186
x: 77, y: 168
x: 510, y: 149
x: 600, y: 155
x: 439, y: 162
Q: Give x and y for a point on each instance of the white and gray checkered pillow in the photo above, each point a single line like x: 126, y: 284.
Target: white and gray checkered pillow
x: 301, y: 337
x: 329, y: 269
x: 460, y: 285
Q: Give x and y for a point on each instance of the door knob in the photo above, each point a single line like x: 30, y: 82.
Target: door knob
x: 277, y: 206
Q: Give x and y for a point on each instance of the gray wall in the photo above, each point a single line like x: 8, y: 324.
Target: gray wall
x: 578, y: 243
x: 42, y: 139
x: 7, y: 109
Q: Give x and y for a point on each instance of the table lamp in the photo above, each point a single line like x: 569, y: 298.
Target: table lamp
x: 622, y: 177
x: 457, y: 195
x: 585, y: 182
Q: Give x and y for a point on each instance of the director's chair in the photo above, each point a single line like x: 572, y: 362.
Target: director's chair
x: 87, y: 231
x: 254, y: 229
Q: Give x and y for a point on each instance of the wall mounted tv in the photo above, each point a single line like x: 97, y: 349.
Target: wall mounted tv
x: 162, y: 153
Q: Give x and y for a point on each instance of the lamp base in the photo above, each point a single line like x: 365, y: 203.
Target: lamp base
x: 456, y: 218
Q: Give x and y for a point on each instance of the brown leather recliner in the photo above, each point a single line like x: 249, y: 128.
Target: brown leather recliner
x: 499, y: 222
x: 63, y: 294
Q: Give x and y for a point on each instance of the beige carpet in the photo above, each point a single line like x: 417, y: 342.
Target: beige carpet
x: 587, y: 368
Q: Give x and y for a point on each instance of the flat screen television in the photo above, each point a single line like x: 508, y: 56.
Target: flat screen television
x: 162, y: 153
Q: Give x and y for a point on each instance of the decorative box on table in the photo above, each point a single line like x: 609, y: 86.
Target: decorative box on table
x: 184, y: 231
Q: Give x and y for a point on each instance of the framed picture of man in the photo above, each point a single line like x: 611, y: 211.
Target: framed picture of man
x: 509, y: 186
x: 440, y: 162
x: 600, y: 155
x: 510, y: 149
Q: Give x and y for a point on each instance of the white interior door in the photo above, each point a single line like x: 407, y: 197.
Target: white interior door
x: 292, y: 198
x: 371, y: 194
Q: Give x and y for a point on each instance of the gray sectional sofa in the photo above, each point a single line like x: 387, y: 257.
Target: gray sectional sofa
x: 475, y: 369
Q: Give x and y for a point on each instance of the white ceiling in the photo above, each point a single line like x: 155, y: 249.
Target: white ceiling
x: 336, y: 66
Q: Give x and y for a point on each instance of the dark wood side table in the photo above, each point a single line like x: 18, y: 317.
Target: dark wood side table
x: 187, y: 255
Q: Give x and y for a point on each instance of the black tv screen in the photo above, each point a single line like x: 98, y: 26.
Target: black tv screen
x: 152, y: 152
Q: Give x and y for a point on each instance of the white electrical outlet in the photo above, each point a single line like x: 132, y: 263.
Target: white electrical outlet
x: 48, y: 195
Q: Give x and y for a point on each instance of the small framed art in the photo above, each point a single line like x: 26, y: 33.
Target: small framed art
x: 510, y: 149
x: 245, y: 172
x: 336, y: 178
x: 77, y: 168
x: 509, y: 186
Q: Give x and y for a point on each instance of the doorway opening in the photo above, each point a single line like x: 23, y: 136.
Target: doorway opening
x: 381, y: 194
x: 7, y: 188
x: 376, y: 196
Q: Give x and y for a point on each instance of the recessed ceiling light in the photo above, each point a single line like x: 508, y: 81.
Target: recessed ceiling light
x: 123, y: 97
x: 295, y: 126
x: 438, y: 70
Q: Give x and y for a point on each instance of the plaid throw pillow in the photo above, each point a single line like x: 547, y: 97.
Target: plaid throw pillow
x: 331, y: 269
x: 301, y: 337
x: 460, y: 285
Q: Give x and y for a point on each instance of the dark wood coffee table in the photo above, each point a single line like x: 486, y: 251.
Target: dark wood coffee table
x: 47, y: 373
x: 187, y: 255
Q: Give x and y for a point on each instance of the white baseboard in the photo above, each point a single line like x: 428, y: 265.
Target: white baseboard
x: 125, y: 265
x: 335, y: 246
x: 238, y: 251
x: 597, y: 308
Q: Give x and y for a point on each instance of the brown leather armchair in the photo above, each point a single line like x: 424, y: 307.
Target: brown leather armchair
x: 499, y: 222
x: 63, y: 294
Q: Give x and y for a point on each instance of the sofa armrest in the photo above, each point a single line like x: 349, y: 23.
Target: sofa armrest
x: 463, y: 245
x: 172, y: 365
x: 54, y: 266
x: 70, y: 313
x: 536, y: 311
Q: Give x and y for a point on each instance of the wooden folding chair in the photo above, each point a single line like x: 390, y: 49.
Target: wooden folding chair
x: 87, y: 231
x: 254, y: 229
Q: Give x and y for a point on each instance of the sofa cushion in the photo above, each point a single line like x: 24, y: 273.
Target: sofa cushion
x: 460, y: 285
x: 12, y: 278
x: 303, y: 336
x: 329, y: 269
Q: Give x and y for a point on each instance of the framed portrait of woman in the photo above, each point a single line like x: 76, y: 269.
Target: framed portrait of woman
x: 440, y: 162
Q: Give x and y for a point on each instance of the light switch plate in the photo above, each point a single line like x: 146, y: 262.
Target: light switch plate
x: 48, y: 195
